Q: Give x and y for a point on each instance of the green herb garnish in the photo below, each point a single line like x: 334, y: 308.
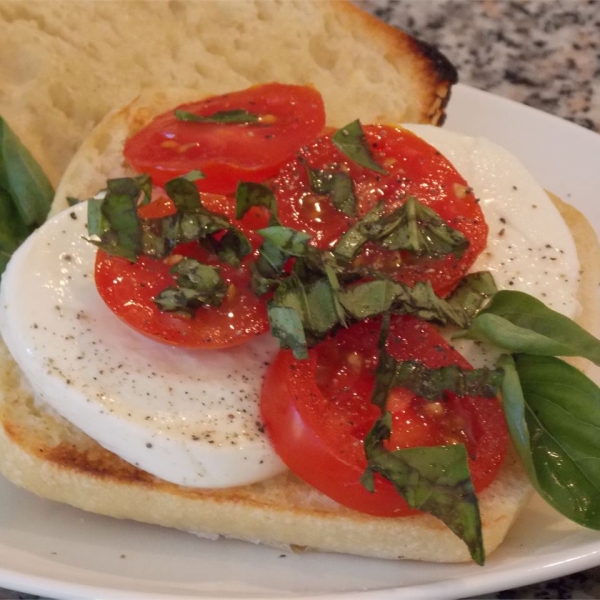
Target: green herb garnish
x: 240, y: 116
x: 435, y: 480
x: 337, y: 185
x: 518, y: 322
x: 25, y: 193
x: 352, y: 142
x: 553, y: 415
x: 197, y: 285
x: 413, y: 227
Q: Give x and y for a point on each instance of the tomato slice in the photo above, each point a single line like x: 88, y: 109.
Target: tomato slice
x: 290, y: 116
x: 129, y: 288
x: 318, y: 411
x: 414, y: 169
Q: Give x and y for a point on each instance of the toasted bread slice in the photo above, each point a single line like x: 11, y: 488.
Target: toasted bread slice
x: 59, y: 77
x: 44, y: 453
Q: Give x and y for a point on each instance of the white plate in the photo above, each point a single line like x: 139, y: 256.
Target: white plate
x: 54, y: 550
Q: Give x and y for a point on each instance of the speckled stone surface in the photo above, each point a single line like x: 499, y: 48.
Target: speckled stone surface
x: 545, y: 53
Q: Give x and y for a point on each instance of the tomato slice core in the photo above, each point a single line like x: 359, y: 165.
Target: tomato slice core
x: 317, y: 413
x: 289, y: 117
x: 414, y: 169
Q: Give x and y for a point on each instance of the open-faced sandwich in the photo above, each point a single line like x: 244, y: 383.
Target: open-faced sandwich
x: 144, y: 377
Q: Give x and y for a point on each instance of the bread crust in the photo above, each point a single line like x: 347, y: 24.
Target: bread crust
x: 59, y: 78
x: 42, y: 452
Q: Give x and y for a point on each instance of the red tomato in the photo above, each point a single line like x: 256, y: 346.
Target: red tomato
x: 318, y: 411
x: 414, y: 169
x: 290, y: 116
x: 128, y: 289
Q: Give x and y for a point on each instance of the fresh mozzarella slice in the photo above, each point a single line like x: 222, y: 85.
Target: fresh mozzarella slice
x: 530, y: 247
x: 189, y: 417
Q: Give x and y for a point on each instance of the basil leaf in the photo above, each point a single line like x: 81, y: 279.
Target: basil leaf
x: 352, y: 241
x: 222, y: 116
x: 286, y: 326
x: 314, y: 314
x: 23, y: 179
x: 197, y: 285
x: 435, y: 480
x: 185, y: 195
x: 557, y: 440
x: 337, y: 185
x: 352, y: 142
x: 368, y: 299
x: 115, y: 219
x: 12, y: 229
x: 517, y: 322
x: 72, y: 201
x: 472, y: 292
x: 412, y: 227
x: 433, y: 384
x: 278, y: 246
x: 249, y: 194
x: 232, y: 246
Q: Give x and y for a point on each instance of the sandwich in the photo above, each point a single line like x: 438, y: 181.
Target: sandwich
x: 54, y: 446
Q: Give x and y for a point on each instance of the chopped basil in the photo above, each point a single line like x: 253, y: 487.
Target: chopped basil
x: 249, y: 194
x: 413, y: 227
x: 223, y: 116
x: 315, y: 307
x: 25, y: 193
x: 115, y: 219
x: 286, y: 326
x: 337, y: 185
x: 430, y: 383
x: 352, y: 142
x: 433, y: 384
x: 472, y: 292
x: 517, y: 322
x: 435, y: 480
x: 553, y: 415
x: 197, y: 285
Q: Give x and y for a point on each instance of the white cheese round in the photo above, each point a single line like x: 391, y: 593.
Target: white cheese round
x: 189, y: 417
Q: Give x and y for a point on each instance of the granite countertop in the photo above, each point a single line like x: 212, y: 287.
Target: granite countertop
x: 544, y: 53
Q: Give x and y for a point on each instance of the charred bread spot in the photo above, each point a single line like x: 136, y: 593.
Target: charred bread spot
x: 446, y: 74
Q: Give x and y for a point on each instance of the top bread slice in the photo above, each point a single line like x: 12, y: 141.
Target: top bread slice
x: 64, y: 65
x: 44, y: 453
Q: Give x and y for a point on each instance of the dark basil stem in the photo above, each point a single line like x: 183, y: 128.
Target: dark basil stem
x: 236, y: 116
x: 435, y: 480
x: 25, y: 193
x: 117, y: 229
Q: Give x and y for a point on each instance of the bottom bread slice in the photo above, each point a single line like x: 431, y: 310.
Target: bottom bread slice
x: 45, y: 454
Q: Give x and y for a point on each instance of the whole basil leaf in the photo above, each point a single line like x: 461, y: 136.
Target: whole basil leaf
x: 23, y: 180
x: 435, y: 480
x: 12, y: 229
x: 553, y: 414
x: 518, y: 322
